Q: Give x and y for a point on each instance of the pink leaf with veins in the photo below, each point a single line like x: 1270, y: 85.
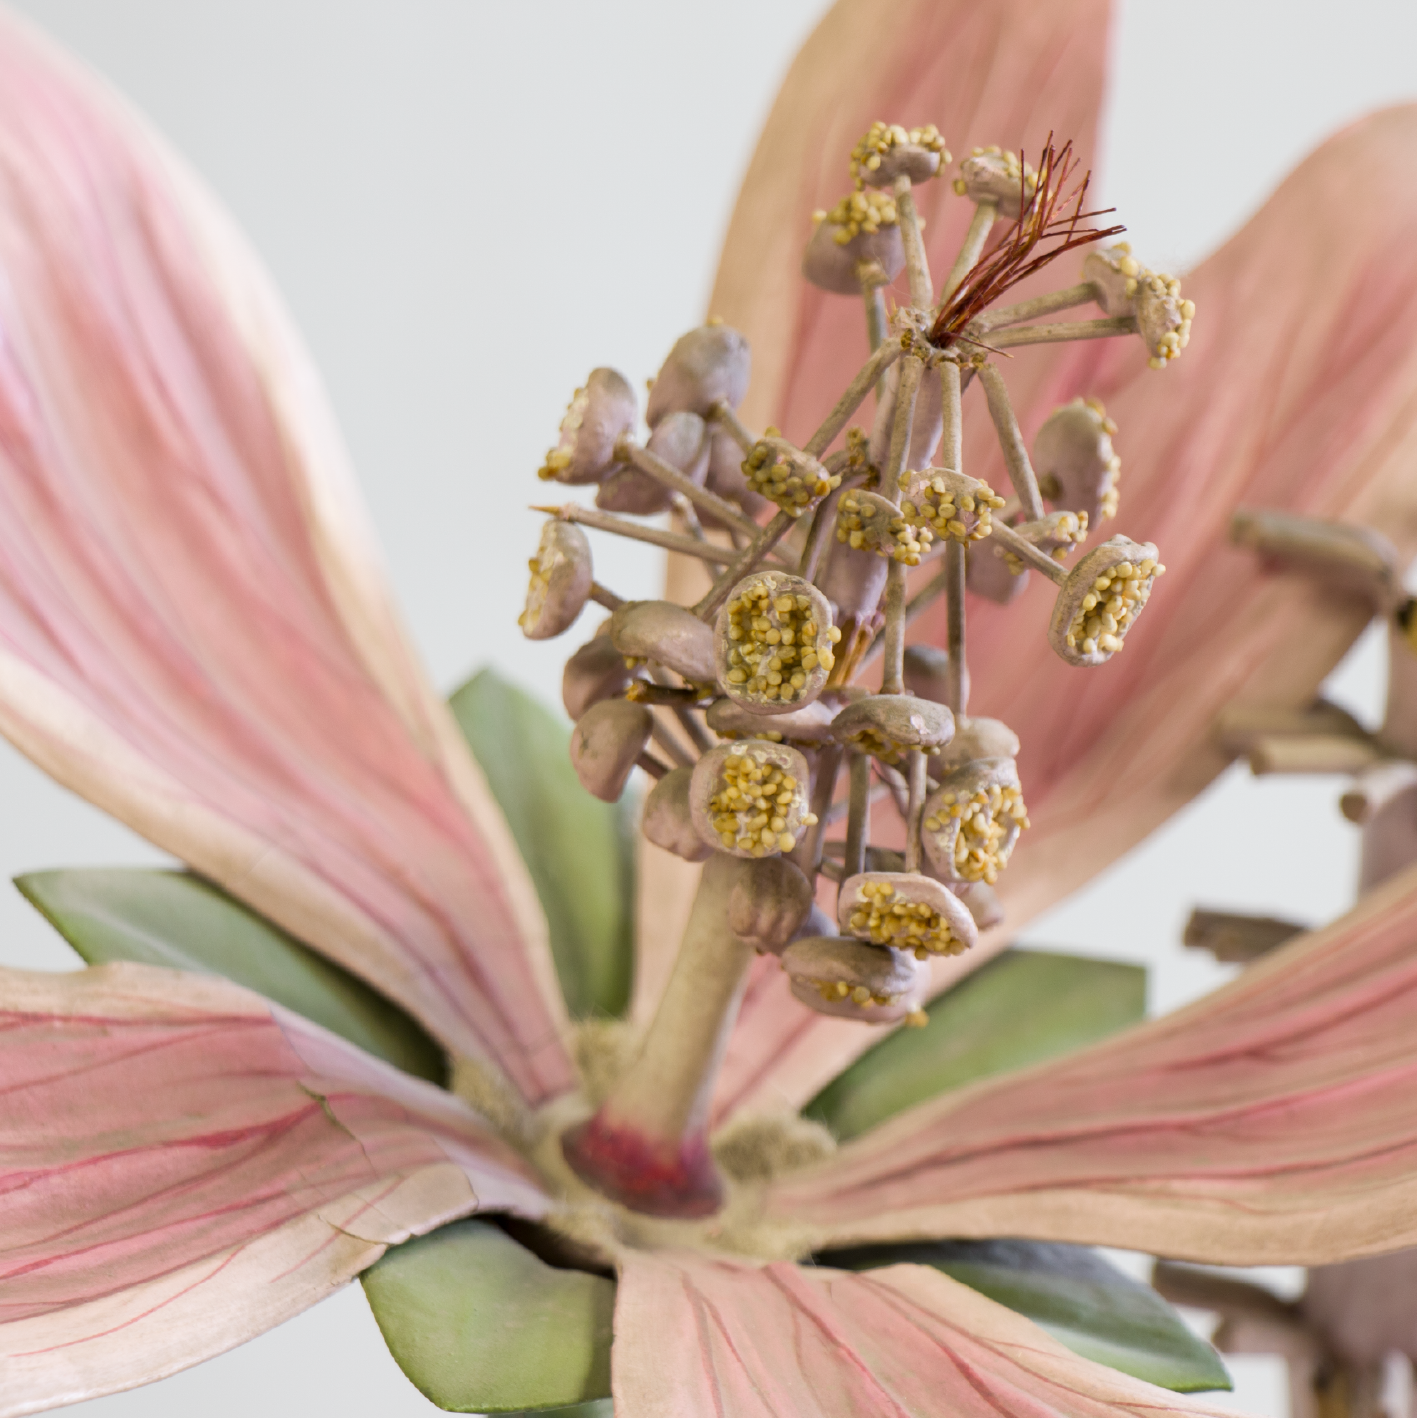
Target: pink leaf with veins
x: 183, y: 1166
x: 194, y: 633
x: 901, y: 1342
x: 1270, y: 1122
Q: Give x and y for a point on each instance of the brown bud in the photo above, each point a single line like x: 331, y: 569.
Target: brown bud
x: 749, y: 799
x: 840, y: 976
x: 561, y: 579
x: 668, y: 635
x: 769, y: 902
x: 605, y: 743
x: 600, y: 415
x: 774, y: 645
x: 888, y: 725
x: 706, y: 365
x: 668, y: 822
x: 834, y: 257
x: 1101, y: 599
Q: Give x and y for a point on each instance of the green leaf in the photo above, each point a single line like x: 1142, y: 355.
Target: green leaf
x: 578, y: 849
x: 1023, y: 1007
x: 175, y: 919
x: 1080, y: 1298
x: 481, y: 1325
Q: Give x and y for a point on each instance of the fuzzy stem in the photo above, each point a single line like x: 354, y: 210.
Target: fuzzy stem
x: 1011, y: 441
x: 952, y: 430
x: 980, y: 225
x: 876, y: 323
x: 917, y: 265
x: 648, y: 1145
x: 1031, y: 309
x: 906, y: 393
x: 617, y: 526
x: 858, y: 814
x: 856, y: 391
x: 684, y: 511
x: 1066, y: 330
x: 1030, y: 554
x: 673, y: 479
x: 727, y: 418
x: 603, y: 596
x: 893, y: 671
x: 915, y: 809
x: 954, y: 588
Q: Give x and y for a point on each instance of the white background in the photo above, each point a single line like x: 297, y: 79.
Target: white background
x: 469, y: 205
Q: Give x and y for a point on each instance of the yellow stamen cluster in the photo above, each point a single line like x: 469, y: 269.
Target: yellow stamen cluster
x: 984, y: 818
x: 1108, y: 609
x: 882, y: 137
x: 858, y: 212
x: 867, y: 526
x: 970, y: 519
x: 774, y: 643
x: 793, y: 486
x: 834, y: 990
x: 559, y: 458
x: 755, y: 805
x: 1008, y: 162
x: 885, y: 917
x: 535, y: 593
x: 1164, y: 318
x: 1110, y: 495
x: 871, y: 741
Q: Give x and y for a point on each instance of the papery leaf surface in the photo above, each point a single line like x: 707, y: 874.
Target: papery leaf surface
x: 1020, y: 1008
x: 184, y: 1165
x: 1074, y: 1294
x: 816, y: 1343
x: 1270, y: 1122
x: 579, y: 850
x: 180, y: 922
x: 194, y: 629
x: 481, y: 1325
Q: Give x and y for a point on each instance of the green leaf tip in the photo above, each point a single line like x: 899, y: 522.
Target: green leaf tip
x: 1073, y: 1293
x: 579, y: 850
x: 177, y: 920
x: 481, y: 1325
x: 1021, y: 1008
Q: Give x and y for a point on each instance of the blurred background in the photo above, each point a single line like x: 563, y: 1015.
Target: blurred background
x: 468, y: 206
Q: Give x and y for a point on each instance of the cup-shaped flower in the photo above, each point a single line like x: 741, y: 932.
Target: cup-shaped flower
x: 665, y: 634
x: 602, y: 412
x: 855, y: 244
x: 667, y: 820
x: 1125, y: 287
x: 773, y: 644
x: 853, y: 980
x: 561, y: 577
x: 750, y: 799
x: 888, y: 726
x: 709, y: 364
x: 594, y: 672
x: 681, y: 440
x: 769, y: 903
x: 993, y: 174
x: 973, y: 819
x: 1077, y: 466
x: 1101, y: 599
x: 907, y: 911
x: 866, y: 521
x: 889, y: 151
x: 809, y: 724
x: 605, y: 743
x: 785, y: 475
x: 948, y: 504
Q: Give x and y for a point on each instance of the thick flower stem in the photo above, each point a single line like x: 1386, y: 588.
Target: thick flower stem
x: 619, y: 527
x: 1011, y: 441
x: 1029, y: 554
x: 952, y: 418
x: 876, y: 324
x: 981, y: 224
x: 723, y: 414
x: 647, y: 1147
x: 893, y: 671
x: 916, y: 265
x: 915, y: 810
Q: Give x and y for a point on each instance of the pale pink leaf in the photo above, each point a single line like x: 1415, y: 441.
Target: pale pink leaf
x: 901, y: 1342
x: 194, y: 632
x: 183, y: 1165
x: 1269, y: 1122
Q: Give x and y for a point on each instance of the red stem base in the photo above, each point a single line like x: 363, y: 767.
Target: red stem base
x: 676, y: 1178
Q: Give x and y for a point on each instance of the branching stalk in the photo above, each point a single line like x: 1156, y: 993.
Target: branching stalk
x: 917, y: 265
x: 673, y: 479
x: 1011, y: 441
x: 655, y: 536
x: 1067, y: 330
x: 953, y: 578
x: 915, y: 809
x: 980, y: 225
x: 727, y: 419
x: 603, y: 596
x: 893, y: 672
x: 858, y: 814
x: 1032, y: 309
x: 1026, y: 552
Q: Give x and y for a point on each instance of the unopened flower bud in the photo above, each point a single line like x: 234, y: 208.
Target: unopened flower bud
x: 856, y: 242
x: 889, y: 151
x: 561, y: 579
x: 972, y: 821
x: 1076, y: 464
x: 749, y: 799
x: 600, y: 415
x: 605, y: 743
x: 907, y: 911
x: 868, y: 522
x: 993, y: 175
x: 770, y: 900
x: 667, y: 821
x: 681, y: 440
x: 774, y: 643
x: 927, y: 675
x: 1101, y: 600
x: 811, y: 724
x: 887, y: 726
x: 848, y: 978
x: 706, y: 365
x: 948, y: 505
x: 666, y: 634
x: 978, y: 738
x: 596, y: 671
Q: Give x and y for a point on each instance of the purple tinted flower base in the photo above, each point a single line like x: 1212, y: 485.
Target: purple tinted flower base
x: 646, y: 1174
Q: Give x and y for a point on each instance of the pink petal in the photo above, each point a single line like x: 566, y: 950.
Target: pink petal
x: 902, y: 1342
x: 1271, y: 1121
x: 194, y: 632
x: 183, y: 1166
